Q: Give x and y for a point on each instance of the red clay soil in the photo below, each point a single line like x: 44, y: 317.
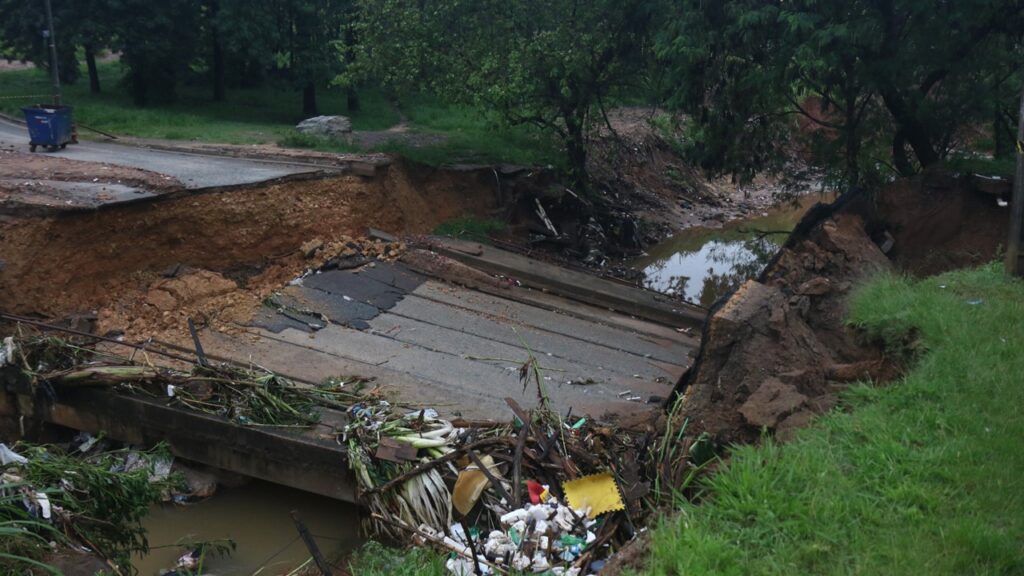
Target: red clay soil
x: 57, y: 265
x: 161, y: 309
x: 776, y: 353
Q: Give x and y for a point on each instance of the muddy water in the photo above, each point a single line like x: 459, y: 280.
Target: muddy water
x: 702, y: 264
x: 257, y: 517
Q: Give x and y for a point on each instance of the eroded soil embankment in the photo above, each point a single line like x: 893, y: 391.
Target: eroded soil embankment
x: 778, y: 351
x: 58, y: 265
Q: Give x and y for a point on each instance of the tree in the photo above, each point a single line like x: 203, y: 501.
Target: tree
x: 315, y: 33
x: 547, y: 63
x: 22, y: 25
x: 157, y: 41
x: 902, y: 72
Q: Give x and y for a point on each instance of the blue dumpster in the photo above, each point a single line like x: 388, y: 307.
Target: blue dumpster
x: 48, y: 125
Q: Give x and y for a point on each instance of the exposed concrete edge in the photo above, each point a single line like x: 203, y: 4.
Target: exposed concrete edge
x: 570, y: 284
x: 366, y: 168
x: 305, y: 463
x: 11, y: 119
x: 39, y: 211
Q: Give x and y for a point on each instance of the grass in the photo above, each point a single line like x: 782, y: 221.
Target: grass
x: 268, y: 115
x: 375, y: 559
x: 469, y: 228
x: 1002, y: 167
x: 923, y: 476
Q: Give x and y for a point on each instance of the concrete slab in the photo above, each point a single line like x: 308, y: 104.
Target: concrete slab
x: 604, y: 327
x: 418, y: 377
x: 573, y: 284
x: 194, y: 171
x: 70, y: 195
x: 425, y: 320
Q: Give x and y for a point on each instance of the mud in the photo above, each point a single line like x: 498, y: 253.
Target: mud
x: 940, y: 222
x: 56, y: 265
x: 778, y: 351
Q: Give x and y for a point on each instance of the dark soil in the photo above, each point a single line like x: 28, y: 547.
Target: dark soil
x: 940, y: 222
x: 776, y: 353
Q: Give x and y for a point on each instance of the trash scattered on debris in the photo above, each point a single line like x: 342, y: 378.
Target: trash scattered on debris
x: 8, y: 456
x: 7, y: 351
x: 541, y: 493
x: 96, y: 496
x: 597, y: 494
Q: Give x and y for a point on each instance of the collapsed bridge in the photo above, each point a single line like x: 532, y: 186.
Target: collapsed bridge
x: 606, y: 350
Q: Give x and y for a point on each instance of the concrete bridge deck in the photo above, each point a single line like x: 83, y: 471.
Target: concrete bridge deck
x: 426, y: 343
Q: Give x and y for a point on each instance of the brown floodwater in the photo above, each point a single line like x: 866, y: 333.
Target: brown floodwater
x: 701, y: 265
x: 257, y: 517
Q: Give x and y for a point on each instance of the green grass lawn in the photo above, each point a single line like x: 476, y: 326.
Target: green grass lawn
x: 268, y: 115
x: 923, y: 476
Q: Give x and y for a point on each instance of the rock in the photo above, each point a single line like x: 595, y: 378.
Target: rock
x: 326, y: 126
x: 201, y: 484
x: 815, y: 286
x: 197, y: 285
x: 787, y: 428
x: 310, y: 248
x: 161, y: 300
x: 771, y: 403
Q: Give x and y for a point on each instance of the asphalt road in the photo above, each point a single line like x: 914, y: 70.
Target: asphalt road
x: 192, y: 170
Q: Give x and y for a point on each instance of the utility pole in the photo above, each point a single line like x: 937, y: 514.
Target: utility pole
x: 1015, y: 245
x: 51, y: 37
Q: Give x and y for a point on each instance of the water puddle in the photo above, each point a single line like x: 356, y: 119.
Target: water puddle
x: 257, y: 517
x: 702, y: 264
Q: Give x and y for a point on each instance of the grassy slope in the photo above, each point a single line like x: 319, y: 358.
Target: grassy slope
x: 925, y: 476
x: 268, y: 115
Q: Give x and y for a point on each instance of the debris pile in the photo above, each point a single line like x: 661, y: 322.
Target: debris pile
x: 83, y: 494
x: 163, y: 308
x: 245, y: 395
x: 345, y: 252
x: 543, y: 493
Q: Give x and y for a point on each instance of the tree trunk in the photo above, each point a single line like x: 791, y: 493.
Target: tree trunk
x: 309, y: 99
x: 852, y: 153
x: 1002, y: 133
x: 219, y: 93
x: 140, y: 94
x: 90, y: 63
x: 350, y: 43
x: 850, y: 124
x: 900, y: 160
x: 913, y: 131
x: 353, y: 99
x: 576, y: 149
